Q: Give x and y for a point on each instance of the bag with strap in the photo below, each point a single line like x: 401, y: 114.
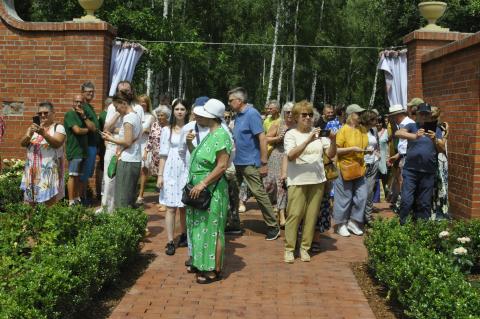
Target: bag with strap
x: 331, y: 171
x: 352, y: 170
x: 112, y: 166
x: 203, y: 200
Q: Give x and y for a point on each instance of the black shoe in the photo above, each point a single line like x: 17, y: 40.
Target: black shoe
x: 183, y: 242
x: 188, y: 262
x: 273, y: 233
x: 233, y: 230
x: 170, y: 248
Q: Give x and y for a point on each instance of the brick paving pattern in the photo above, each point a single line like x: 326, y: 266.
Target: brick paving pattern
x: 256, y: 282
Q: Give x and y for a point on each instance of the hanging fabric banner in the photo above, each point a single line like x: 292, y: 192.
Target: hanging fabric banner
x: 125, y: 57
x: 394, y: 63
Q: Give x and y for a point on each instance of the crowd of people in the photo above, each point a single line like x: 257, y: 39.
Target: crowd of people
x: 302, y: 167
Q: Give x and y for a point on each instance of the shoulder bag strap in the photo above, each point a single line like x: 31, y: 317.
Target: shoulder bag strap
x: 197, y: 134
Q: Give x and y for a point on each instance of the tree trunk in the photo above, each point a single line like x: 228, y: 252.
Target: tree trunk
x: 180, y: 80
x: 274, y: 51
x: 294, y: 65
x: 149, y: 81
x: 165, y: 8
x: 314, y: 87
x: 280, y: 79
x: 263, y: 73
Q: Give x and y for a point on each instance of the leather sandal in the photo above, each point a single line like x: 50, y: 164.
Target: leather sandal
x: 192, y: 269
x: 203, y: 278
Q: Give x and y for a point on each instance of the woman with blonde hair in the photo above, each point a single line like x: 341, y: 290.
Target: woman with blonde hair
x: 274, y: 183
x: 306, y: 179
x: 350, y: 187
x: 148, y: 119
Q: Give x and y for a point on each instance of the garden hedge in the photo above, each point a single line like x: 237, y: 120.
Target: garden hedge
x: 54, y: 261
x: 420, y: 265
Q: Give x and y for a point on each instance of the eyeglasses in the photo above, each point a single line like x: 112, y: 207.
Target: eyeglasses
x: 304, y: 115
x: 231, y: 100
x: 43, y: 113
x: 77, y: 102
x: 288, y: 112
x: 89, y: 91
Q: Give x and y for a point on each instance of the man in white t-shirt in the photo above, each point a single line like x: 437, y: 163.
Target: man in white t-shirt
x: 113, y: 123
x: 399, y: 116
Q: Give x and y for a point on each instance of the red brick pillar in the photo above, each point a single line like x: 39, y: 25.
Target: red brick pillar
x: 47, y: 61
x: 419, y: 43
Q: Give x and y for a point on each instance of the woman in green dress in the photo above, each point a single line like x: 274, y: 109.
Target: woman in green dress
x: 209, y: 161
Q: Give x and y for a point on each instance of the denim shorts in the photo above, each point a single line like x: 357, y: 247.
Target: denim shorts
x: 89, y: 164
x: 75, y: 167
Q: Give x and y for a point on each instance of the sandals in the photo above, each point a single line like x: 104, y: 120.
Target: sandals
x: 192, y: 269
x: 204, y: 278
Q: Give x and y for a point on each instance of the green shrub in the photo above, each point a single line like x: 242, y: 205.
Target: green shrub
x: 425, y: 279
x: 67, y: 256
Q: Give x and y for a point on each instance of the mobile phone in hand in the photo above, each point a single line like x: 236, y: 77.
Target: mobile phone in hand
x: 324, y: 133
x: 36, y: 120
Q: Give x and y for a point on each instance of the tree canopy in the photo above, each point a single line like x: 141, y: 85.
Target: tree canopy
x: 326, y: 75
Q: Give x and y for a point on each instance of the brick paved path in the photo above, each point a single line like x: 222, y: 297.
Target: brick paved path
x: 257, y: 283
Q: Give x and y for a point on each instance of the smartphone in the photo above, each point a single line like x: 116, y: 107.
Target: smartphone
x: 430, y: 126
x: 36, y: 120
x: 324, y: 133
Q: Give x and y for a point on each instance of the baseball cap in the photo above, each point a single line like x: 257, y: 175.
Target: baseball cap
x: 415, y: 102
x: 354, y: 108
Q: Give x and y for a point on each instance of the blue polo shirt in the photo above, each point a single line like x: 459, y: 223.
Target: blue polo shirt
x: 248, y: 124
x: 421, y: 153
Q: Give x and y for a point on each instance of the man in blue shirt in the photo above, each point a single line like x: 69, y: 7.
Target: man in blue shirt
x: 420, y: 164
x: 251, y: 156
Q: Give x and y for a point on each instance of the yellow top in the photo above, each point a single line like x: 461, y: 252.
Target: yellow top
x: 269, y: 122
x: 349, y: 137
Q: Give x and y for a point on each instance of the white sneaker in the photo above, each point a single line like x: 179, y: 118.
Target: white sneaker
x: 342, y: 230
x: 289, y: 258
x: 304, y: 255
x: 353, y: 228
x: 242, y: 208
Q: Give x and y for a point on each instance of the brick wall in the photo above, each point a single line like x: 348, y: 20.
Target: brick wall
x: 48, y: 61
x: 448, y: 76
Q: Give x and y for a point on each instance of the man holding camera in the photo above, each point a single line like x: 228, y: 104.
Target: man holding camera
x: 424, y: 143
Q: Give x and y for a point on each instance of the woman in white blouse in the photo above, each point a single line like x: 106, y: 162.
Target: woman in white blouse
x: 148, y: 119
x: 305, y: 178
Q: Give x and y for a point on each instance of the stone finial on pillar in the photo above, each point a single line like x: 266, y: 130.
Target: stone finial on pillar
x: 90, y: 6
x: 432, y: 11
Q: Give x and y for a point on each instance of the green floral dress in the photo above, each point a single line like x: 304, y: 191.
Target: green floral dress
x: 205, y: 226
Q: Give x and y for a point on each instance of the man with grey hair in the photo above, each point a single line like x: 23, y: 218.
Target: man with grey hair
x: 251, y: 156
x: 273, y: 115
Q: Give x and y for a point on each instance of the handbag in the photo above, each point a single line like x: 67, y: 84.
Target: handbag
x: 331, y: 171
x: 352, y: 170
x: 112, y: 166
x: 203, y: 200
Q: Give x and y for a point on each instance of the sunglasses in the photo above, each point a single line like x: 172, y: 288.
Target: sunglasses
x: 43, y: 113
x: 304, y: 115
x: 228, y: 117
x: 288, y: 112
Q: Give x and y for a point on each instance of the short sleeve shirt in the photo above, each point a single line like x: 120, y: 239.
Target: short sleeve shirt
x: 421, y: 153
x: 350, y: 137
x: 402, y: 143
x: 90, y: 113
x: 248, y: 124
x: 132, y: 153
x: 76, y: 144
x: 308, y: 168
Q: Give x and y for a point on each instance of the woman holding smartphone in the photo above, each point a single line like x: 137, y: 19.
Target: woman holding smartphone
x: 351, y: 187
x: 306, y: 179
x: 42, y: 180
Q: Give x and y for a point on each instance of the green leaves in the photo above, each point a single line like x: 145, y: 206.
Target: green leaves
x: 62, y: 257
x: 419, y: 268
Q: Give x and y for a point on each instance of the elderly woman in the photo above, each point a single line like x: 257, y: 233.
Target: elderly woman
x: 209, y: 161
x: 274, y: 182
x: 305, y: 178
x: 42, y: 181
x: 440, y: 205
x: 128, y: 151
x: 350, y: 187
x: 148, y: 119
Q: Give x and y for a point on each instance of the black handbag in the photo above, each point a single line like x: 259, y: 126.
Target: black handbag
x: 203, y: 200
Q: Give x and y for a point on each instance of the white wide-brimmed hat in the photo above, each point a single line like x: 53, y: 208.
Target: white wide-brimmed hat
x: 212, y: 109
x: 396, y: 109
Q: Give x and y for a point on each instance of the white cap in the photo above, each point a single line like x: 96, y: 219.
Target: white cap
x: 212, y: 109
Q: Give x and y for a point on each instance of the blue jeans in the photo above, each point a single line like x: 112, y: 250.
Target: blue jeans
x: 89, y: 164
x: 350, y: 200
x: 417, y: 188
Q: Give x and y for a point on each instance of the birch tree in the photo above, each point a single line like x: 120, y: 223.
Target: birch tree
x: 274, y: 50
x: 294, y: 63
